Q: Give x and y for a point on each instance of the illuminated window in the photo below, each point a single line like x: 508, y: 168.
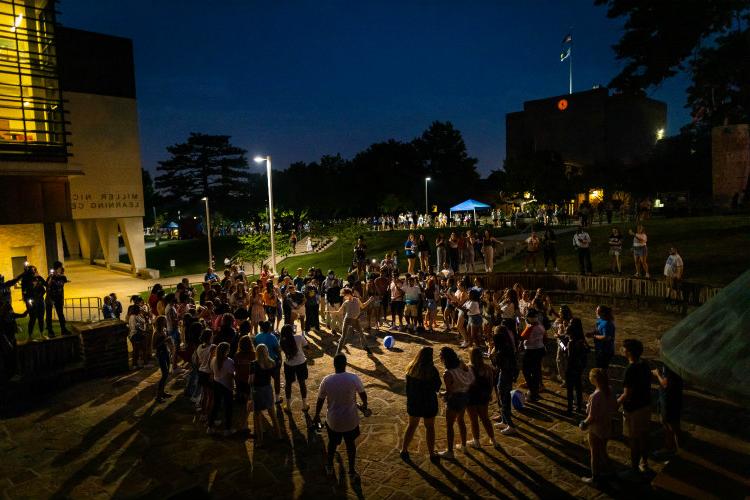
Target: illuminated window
x: 31, y: 116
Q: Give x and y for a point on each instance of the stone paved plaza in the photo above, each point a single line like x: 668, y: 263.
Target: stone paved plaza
x: 107, y: 438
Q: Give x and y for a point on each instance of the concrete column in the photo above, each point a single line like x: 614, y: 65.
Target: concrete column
x: 132, y: 234
x: 71, y: 238
x: 50, y: 243
x: 84, y: 233
x: 59, y: 240
x: 107, y: 232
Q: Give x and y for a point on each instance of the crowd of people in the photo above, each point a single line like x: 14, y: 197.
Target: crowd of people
x: 234, y: 337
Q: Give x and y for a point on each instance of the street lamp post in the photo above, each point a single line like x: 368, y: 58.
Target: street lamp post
x: 267, y: 159
x: 208, y: 232
x: 426, y: 206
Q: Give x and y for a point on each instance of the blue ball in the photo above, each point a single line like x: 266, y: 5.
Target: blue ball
x: 517, y: 398
x: 389, y: 342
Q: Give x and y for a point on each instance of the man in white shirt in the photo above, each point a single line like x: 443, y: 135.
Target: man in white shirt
x: 342, y: 419
x: 581, y: 242
x: 673, y: 273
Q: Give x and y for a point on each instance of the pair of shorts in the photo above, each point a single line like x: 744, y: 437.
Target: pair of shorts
x: 295, y: 372
x: 640, y: 251
x: 270, y: 311
x: 458, y: 401
x: 475, y: 319
x: 397, y: 307
x: 673, y: 283
x: 636, y: 422
x: 411, y: 311
x: 614, y: 252
x: 431, y: 304
x: 335, y: 437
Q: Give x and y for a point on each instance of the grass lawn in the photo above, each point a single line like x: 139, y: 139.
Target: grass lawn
x: 190, y: 256
x: 339, y: 256
x: 715, y: 250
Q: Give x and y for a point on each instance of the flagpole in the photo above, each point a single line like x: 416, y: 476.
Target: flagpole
x: 570, y: 68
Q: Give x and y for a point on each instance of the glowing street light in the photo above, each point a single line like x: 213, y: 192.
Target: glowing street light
x: 267, y: 159
x: 660, y: 134
x: 426, y: 209
x: 208, y: 232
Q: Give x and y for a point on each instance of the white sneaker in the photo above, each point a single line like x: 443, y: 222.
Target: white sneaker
x: 474, y: 444
x: 464, y: 345
x: 447, y: 454
x: 509, y: 431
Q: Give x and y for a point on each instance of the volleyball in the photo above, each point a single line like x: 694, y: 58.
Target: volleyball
x: 389, y: 342
x: 518, y: 399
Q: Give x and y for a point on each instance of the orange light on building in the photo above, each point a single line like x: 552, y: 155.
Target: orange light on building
x: 562, y: 104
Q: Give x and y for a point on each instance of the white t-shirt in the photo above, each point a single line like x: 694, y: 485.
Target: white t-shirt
x: 204, y: 356
x: 225, y: 376
x: 472, y: 306
x: 341, y: 389
x: 581, y: 240
x: 673, y: 262
x: 351, y: 308
x: 298, y: 358
x: 411, y: 293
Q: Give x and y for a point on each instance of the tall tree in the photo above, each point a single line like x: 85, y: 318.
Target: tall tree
x: 453, y: 172
x: 205, y: 165
x: 662, y: 37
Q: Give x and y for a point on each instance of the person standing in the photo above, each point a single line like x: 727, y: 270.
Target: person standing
x: 598, y: 422
x: 410, y: 250
x: 549, y: 246
x: 295, y: 365
x: 532, y: 249
x: 480, y: 394
x: 673, y: 274
x: 423, y: 246
x: 268, y: 338
x: 640, y: 251
x: 503, y: 358
x: 453, y: 253
x: 161, y: 342
x: 35, y: 304
x: 615, y: 249
x: 670, y: 409
x: 56, y: 297
x: 440, y: 251
x: 604, y: 337
x: 533, y: 345
x: 469, y: 254
x: 488, y: 251
x: 578, y: 352
x: 458, y: 378
x: 422, y: 385
x: 340, y: 390
x: 222, y: 369
x: 561, y: 335
x: 636, y: 404
x: 582, y: 242
x: 261, y: 372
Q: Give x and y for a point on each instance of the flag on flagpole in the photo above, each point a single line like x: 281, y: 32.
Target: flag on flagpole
x: 564, y: 54
x: 568, y: 39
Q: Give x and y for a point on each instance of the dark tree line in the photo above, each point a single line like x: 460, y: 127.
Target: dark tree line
x: 386, y: 177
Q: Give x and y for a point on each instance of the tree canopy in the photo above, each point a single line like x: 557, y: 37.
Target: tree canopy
x: 706, y: 38
x: 204, y: 165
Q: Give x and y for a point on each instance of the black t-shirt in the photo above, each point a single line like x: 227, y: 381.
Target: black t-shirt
x: 638, y: 380
x: 423, y: 246
x: 262, y: 377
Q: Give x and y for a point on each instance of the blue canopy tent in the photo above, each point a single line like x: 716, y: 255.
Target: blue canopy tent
x: 469, y: 206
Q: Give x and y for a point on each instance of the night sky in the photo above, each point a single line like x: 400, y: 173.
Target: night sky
x: 301, y: 79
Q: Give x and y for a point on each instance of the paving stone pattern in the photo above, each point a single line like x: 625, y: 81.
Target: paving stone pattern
x: 108, y: 438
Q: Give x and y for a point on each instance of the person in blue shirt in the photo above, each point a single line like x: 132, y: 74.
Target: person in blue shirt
x: 107, y: 311
x: 210, y: 276
x: 268, y: 338
x: 604, y: 337
x: 410, y: 248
